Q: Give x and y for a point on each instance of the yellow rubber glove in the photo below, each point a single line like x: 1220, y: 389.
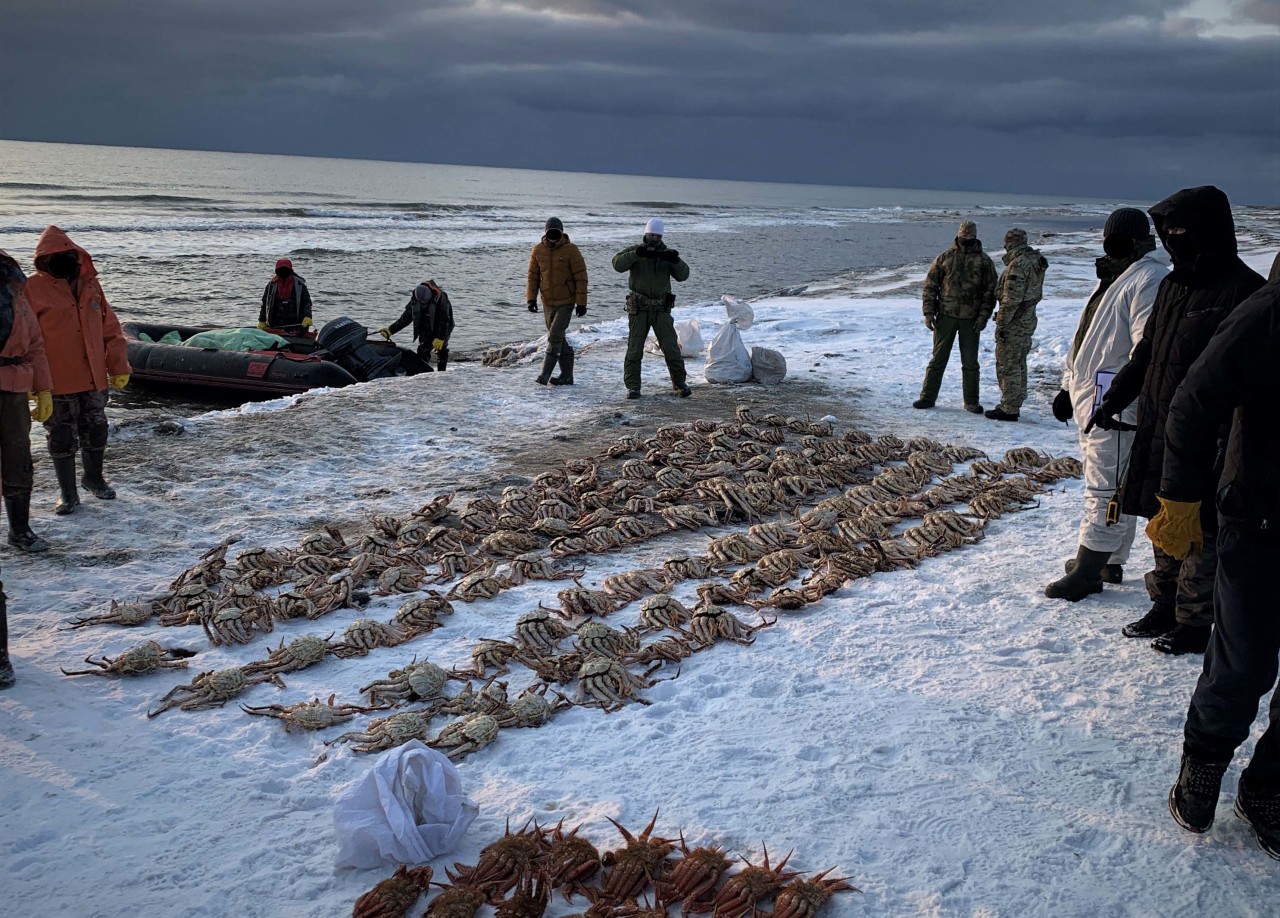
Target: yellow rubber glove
x: 1175, y: 530
x: 438, y: 344
x: 385, y: 332
x: 262, y: 326
x: 119, y: 381
x: 306, y: 323
x: 44, y: 406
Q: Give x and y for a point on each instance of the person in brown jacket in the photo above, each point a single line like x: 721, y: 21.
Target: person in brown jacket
x: 557, y: 272
x: 86, y: 351
x: 24, y: 375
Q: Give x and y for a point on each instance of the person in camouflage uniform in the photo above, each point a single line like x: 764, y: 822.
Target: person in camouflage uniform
x: 652, y: 267
x: 959, y: 297
x: 1019, y: 290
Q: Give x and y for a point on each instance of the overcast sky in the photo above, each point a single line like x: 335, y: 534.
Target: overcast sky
x: 1111, y: 98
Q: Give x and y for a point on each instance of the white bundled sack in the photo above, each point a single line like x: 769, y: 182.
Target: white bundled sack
x: 688, y: 336
x: 768, y: 367
x: 406, y: 809
x: 727, y: 358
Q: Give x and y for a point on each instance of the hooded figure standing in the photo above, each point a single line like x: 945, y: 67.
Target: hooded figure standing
x: 1019, y: 290
x: 286, y: 303
x: 959, y: 297
x: 558, y: 273
x: 86, y: 352
x: 1207, y: 282
x: 24, y: 375
x: 649, y: 303
x: 431, y: 313
x: 1110, y: 327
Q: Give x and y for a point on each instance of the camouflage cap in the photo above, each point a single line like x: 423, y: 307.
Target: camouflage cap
x: 967, y: 227
x: 1014, y: 238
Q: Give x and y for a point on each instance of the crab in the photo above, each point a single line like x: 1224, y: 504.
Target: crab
x: 1025, y: 459
x: 712, y: 593
x: 447, y: 538
x: 640, y: 862
x: 672, y: 478
x: 662, y: 611
x: 212, y: 689
x: 712, y: 623
x: 463, y: 737
x: 634, y: 529
x: 477, y: 519
x: 689, y: 516
x: 666, y: 650
x: 518, y: 501
x: 693, y: 879
x: 413, y: 533
x: 531, y: 708
x: 934, y: 463
x: 208, y: 570
x: 309, y: 715
x: 295, y: 605
x: 416, y: 682
x: 314, y: 565
x: 260, y: 559
x: 560, y: 669
x: 368, y: 565
x: 454, y: 564
x: 401, y: 578
x: 985, y: 468
x: 554, y: 509
x: 365, y: 634
x: 539, y: 632
x: 388, y: 732
x: 529, y: 900
x: 784, y: 599
x: 773, y: 536
x: 631, y: 585
x: 553, y: 529
x: 733, y: 549
x: 686, y: 567
x: 394, y: 896
x: 127, y: 614
x: 532, y: 566
x: 302, y: 652
x: 190, y: 604
x: 571, y: 860
x: 491, y: 699
x: 237, y: 625
x: 434, y: 510
x: 608, y: 684
x: 421, y: 616
x: 1066, y: 467
x: 893, y: 554
x: 456, y: 901
x: 580, y: 602
x: 328, y: 541
x: 142, y: 658
x: 743, y: 892
x: 489, y: 654
x: 603, y: 539
x: 507, y: 543
x: 595, y: 637
x: 772, y: 570
x: 480, y: 584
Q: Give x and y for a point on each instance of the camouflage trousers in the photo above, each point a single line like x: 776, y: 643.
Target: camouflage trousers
x: 1013, y: 343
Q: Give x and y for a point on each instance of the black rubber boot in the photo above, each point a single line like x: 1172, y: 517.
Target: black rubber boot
x: 1111, y: 573
x: 1262, y: 812
x: 548, y: 364
x: 633, y: 393
x: 1160, y: 620
x: 65, y: 468
x: 975, y: 408
x: 442, y: 359
x: 1085, y: 578
x: 92, y: 480
x: 683, y: 391
x: 999, y: 414
x: 1184, y: 639
x: 566, y: 368
x: 6, y: 668
x: 18, y: 507
x: 922, y: 403
x: 1193, y: 800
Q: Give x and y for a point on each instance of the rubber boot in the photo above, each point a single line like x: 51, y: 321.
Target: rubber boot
x: 1084, y: 580
x: 1193, y: 800
x: 92, y: 479
x: 65, y: 468
x: 548, y: 364
x: 1184, y: 639
x: 18, y: 507
x: 566, y: 368
x: 6, y: 668
x: 1111, y: 573
x: 1159, y: 621
x: 442, y: 359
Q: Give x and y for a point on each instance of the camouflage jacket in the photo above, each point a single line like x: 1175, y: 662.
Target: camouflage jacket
x: 961, y: 284
x: 1021, y: 285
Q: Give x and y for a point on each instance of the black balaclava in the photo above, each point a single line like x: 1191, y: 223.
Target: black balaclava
x: 1208, y: 246
x: 63, y: 265
x: 554, y: 229
x: 284, y: 272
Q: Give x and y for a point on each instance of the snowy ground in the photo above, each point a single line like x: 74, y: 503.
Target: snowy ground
x: 952, y: 740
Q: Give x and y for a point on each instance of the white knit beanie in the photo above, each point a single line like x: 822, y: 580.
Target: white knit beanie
x: 654, y: 227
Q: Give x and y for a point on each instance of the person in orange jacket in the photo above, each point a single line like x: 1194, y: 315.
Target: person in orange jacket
x: 24, y: 375
x: 86, y: 351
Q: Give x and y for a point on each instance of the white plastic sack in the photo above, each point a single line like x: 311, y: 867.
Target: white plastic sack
x: 689, y: 337
x: 740, y: 314
x: 768, y: 367
x: 727, y: 358
x: 406, y: 809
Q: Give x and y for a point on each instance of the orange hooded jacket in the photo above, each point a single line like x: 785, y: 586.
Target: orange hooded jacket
x: 26, y: 343
x: 82, y: 337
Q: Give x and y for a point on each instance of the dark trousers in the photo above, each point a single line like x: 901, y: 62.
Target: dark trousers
x: 79, y: 421
x: 557, y: 318
x: 1188, y: 585
x: 426, y: 350
x: 664, y: 329
x: 15, y: 444
x: 946, y: 329
x: 1242, y: 660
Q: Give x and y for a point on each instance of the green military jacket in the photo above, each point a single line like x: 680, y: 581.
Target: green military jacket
x: 961, y: 284
x: 650, y: 277
x: 1021, y: 285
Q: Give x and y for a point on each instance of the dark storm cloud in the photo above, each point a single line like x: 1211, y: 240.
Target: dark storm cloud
x: 1107, y: 98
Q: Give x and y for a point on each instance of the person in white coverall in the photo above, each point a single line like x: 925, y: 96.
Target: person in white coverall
x: 1110, y: 327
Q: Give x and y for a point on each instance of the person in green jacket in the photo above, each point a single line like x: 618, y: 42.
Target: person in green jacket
x: 649, y: 302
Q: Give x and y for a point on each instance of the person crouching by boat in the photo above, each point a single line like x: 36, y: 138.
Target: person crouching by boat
x: 86, y: 352
x: 286, y: 303
x: 431, y: 314
x: 24, y: 374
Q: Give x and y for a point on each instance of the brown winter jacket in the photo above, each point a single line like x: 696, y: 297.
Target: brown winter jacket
x: 558, y: 272
x: 25, y: 342
x: 82, y: 337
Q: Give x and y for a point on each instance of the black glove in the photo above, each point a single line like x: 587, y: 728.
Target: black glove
x: 980, y: 323
x: 643, y: 251
x: 930, y: 322
x: 670, y: 256
x: 1062, y: 409
x: 533, y: 305
x: 1103, y: 419
x: 580, y: 311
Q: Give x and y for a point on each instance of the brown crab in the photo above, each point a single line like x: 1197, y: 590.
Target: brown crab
x: 364, y: 635
x: 711, y: 623
x: 631, y: 868
x: 143, y: 658
x: 489, y: 654
x: 693, y: 879
x: 388, y: 732
x: 662, y: 611
x: 419, y: 681
x: 595, y: 637
x: 803, y: 898
x: 309, y: 715
x: 503, y: 862
x: 212, y: 689
x: 394, y: 896
x: 463, y: 737
x: 743, y: 892
x: 539, y: 632
x: 608, y: 684
x: 127, y: 614
x: 301, y: 652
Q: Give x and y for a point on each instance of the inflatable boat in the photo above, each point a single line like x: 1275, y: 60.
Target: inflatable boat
x: 341, y: 354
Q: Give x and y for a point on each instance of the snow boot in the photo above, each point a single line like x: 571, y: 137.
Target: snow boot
x: 999, y: 414
x: 683, y: 391
x: 1111, y: 573
x: 548, y: 364
x: 1262, y: 813
x: 1184, y: 639
x: 92, y: 480
x: 1085, y: 578
x: 1193, y: 800
x: 6, y: 668
x: 633, y: 393
x: 442, y: 359
x: 922, y: 403
x: 566, y: 368
x: 1159, y: 621
x: 65, y: 468
x: 974, y: 408
x: 18, y: 506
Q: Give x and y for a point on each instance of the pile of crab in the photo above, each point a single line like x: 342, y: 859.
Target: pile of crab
x: 795, y: 513
x: 645, y: 876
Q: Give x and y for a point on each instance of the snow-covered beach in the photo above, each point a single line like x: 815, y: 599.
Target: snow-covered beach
x: 950, y: 739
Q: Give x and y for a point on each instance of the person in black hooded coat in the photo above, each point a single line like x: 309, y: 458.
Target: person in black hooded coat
x: 1207, y: 282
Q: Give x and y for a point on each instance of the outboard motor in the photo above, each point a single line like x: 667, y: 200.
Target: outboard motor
x: 347, y: 340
